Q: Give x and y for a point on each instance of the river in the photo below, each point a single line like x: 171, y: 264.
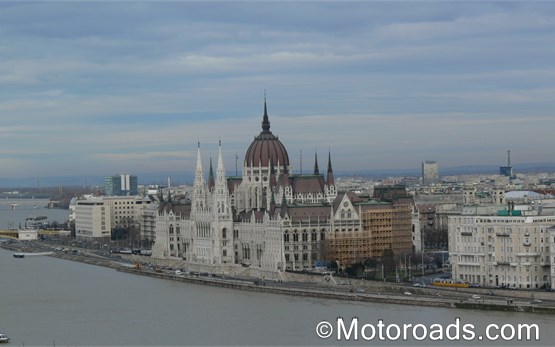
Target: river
x: 50, y: 301
x: 28, y: 208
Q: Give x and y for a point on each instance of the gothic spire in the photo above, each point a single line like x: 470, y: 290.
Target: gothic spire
x: 273, y: 181
x: 220, y: 176
x: 283, y: 209
x: 199, y: 176
x: 211, y: 181
x: 265, y: 120
x: 330, y: 181
x: 316, y: 169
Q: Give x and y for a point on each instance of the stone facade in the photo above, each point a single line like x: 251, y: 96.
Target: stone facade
x: 269, y: 218
x: 501, y: 250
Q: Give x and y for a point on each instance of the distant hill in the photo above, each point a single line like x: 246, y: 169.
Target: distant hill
x: 161, y: 178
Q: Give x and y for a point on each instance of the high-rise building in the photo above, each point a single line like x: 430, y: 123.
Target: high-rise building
x: 120, y: 185
x: 507, y: 170
x: 430, y: 172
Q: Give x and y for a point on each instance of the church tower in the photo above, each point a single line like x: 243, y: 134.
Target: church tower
x: 199, y: 198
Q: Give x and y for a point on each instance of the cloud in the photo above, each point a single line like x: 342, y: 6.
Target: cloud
x: 136, y: 85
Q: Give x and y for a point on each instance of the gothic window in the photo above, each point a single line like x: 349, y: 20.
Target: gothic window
x: 295, y: 237
x: 322, y: 236
x: 305, y: 256
x: 305, y: 236
x: 287, y: 257
x: 286, y: 237
x: 314, y: 236
x: 296, y: 257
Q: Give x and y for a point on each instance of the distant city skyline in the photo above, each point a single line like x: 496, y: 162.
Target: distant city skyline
x: 98, y: 88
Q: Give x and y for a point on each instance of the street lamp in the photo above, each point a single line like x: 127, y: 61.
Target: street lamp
x: 405, y: 265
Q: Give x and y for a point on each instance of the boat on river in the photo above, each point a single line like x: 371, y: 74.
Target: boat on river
x: 19, y: 255
x: 4, y: 338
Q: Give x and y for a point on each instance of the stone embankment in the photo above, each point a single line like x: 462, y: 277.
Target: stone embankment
x: 314, y: 286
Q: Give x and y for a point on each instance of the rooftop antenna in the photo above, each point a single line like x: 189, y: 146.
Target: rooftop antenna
x: 236, y: 158
x: 301, y: 157
x: 509, y: 157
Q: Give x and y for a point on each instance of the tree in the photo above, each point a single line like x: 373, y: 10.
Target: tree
x: 388, y: 260
x: 355, y: 270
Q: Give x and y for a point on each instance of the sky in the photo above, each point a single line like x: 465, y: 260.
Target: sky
x: 104, y: 87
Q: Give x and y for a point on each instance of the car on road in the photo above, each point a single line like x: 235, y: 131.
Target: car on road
x: 407, y: 293
x: 475, y: 297
x: 536, y: 301
x: 418, y: 284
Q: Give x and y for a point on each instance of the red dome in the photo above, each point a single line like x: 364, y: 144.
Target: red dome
x: 266, y: 148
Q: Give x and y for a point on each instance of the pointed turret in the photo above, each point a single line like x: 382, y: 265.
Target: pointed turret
x: 285, y: 177
x: 221, y: 191
x: 283, y: 210
x: 272, y: 205
x: 330, y: 181
x: 211, y: 182
x: 220, y: 176
x: 273, y: 180
x: 199, y: 187
x: 316, y: 169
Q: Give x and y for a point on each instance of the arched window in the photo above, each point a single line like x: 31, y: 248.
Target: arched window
x: 322, y: 236
x: 295, y: 236
x: 286, y: 237
x: 224, y: 233
x: 305, y: 236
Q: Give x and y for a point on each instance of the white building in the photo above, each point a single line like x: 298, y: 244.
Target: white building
x: 92, y: 218
x: 268, y: 219
x: 510, y: 248
x: 242, y: 220
x: 430, y: 172
x: 27, y: 234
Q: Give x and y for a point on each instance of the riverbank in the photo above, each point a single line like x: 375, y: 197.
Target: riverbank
x: 304, y: 285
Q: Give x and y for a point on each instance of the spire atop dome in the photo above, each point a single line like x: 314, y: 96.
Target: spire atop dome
x: 266, y: 146
x: 265, y: 120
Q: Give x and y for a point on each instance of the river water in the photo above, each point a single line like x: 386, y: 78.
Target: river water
x: 28, y: 208
x: 50, y: 301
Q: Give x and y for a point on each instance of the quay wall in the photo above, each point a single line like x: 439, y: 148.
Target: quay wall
x: 370, y: 291
x: 381, y: 298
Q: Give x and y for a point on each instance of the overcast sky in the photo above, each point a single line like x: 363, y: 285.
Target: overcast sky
x: 97, y: 88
